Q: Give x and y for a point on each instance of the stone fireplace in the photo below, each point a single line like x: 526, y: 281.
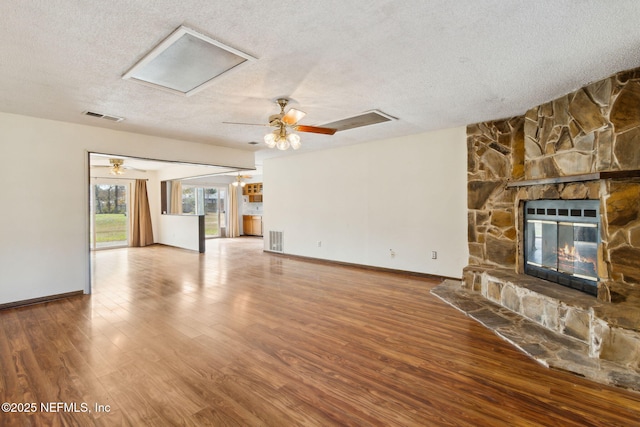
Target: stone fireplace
x: 526, y: 174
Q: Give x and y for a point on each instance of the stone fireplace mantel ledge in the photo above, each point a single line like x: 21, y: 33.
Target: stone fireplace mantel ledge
x: 595, y: 176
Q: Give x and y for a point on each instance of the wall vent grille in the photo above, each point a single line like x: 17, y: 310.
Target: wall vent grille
x: 276, y: 240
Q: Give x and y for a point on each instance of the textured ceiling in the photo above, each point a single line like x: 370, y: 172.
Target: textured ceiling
x: 431, y: 64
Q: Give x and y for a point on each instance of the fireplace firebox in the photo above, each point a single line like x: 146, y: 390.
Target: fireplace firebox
x: 561, y: 240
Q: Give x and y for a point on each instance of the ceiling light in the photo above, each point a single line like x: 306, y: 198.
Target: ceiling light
x: 186, y: 62
x: 239, y: 182
x: 294, y: 140
x: 116, y: 166
x: 282, y: 140
x: 270, y: 139
x: 282, y: 144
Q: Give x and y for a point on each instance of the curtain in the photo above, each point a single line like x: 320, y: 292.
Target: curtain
x: 141, y: 233
x: 233, y: 230
x: 176, y: 198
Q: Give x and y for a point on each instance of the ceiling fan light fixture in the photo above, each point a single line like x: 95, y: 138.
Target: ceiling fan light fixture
x: 282, y: 144
x: 293, y: 116
x: 270, y: 139
x: 239, y: 181
x: 294, y: 140
x: 116, y: 166
x: 283, y: 122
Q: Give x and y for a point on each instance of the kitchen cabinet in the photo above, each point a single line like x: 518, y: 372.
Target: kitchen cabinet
x: 257, y: 225
x: 247, y: 226
x: 252, y: 188
x: 254, y: 191
x: 252, y: 225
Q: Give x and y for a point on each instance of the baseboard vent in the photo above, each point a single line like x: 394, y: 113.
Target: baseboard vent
x: 276, y: 241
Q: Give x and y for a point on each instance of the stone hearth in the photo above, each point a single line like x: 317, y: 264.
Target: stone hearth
x: 582, y: 146
x: 551, y: 349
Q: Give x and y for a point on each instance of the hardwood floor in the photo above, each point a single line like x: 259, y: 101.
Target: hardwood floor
x: 244, y: 338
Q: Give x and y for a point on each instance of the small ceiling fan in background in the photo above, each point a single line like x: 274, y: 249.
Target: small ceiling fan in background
x: 284, y: 123
x: 239, y: 180
x: 117, y: 167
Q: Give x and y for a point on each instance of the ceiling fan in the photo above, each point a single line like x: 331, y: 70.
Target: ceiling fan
x: 284, y: 123
x: 117, y: 167
x: 239, y: 180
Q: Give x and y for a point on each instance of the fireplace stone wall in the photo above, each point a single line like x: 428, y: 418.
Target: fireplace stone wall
x: 584, y: 145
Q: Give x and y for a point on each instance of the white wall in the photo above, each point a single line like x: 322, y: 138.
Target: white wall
x: 181, y: 231
x: 406, y: 194
x: 44, y: 232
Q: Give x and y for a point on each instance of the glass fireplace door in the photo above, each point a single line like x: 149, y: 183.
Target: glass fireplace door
x: 578, y: 249
x: 561, y: 242
x: 542, y: 244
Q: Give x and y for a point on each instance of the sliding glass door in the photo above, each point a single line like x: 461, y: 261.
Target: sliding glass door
x: 209, y: 201
x: 109, y: 215
x: 215, y: 211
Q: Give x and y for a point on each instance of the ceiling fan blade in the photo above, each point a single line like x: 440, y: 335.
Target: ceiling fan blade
x: 133, y: 169
x: 293, y: 116
x: 248, y: 124
x: 315, y: 129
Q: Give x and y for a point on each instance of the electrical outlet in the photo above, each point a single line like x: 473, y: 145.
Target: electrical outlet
x: 319, y: 243
x: 392, y: 253
x: 434, y: 255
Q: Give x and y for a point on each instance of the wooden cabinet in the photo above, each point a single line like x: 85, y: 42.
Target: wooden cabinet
x: 247, y: 225
x: 252, y: 225
x: 256, y: 222
x: 253, y: 190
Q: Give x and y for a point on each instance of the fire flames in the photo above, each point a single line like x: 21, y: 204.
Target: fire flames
x: 569, y: 253
x: 569, y: 256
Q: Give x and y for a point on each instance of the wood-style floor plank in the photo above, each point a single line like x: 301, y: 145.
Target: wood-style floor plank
x: 240, y: 337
